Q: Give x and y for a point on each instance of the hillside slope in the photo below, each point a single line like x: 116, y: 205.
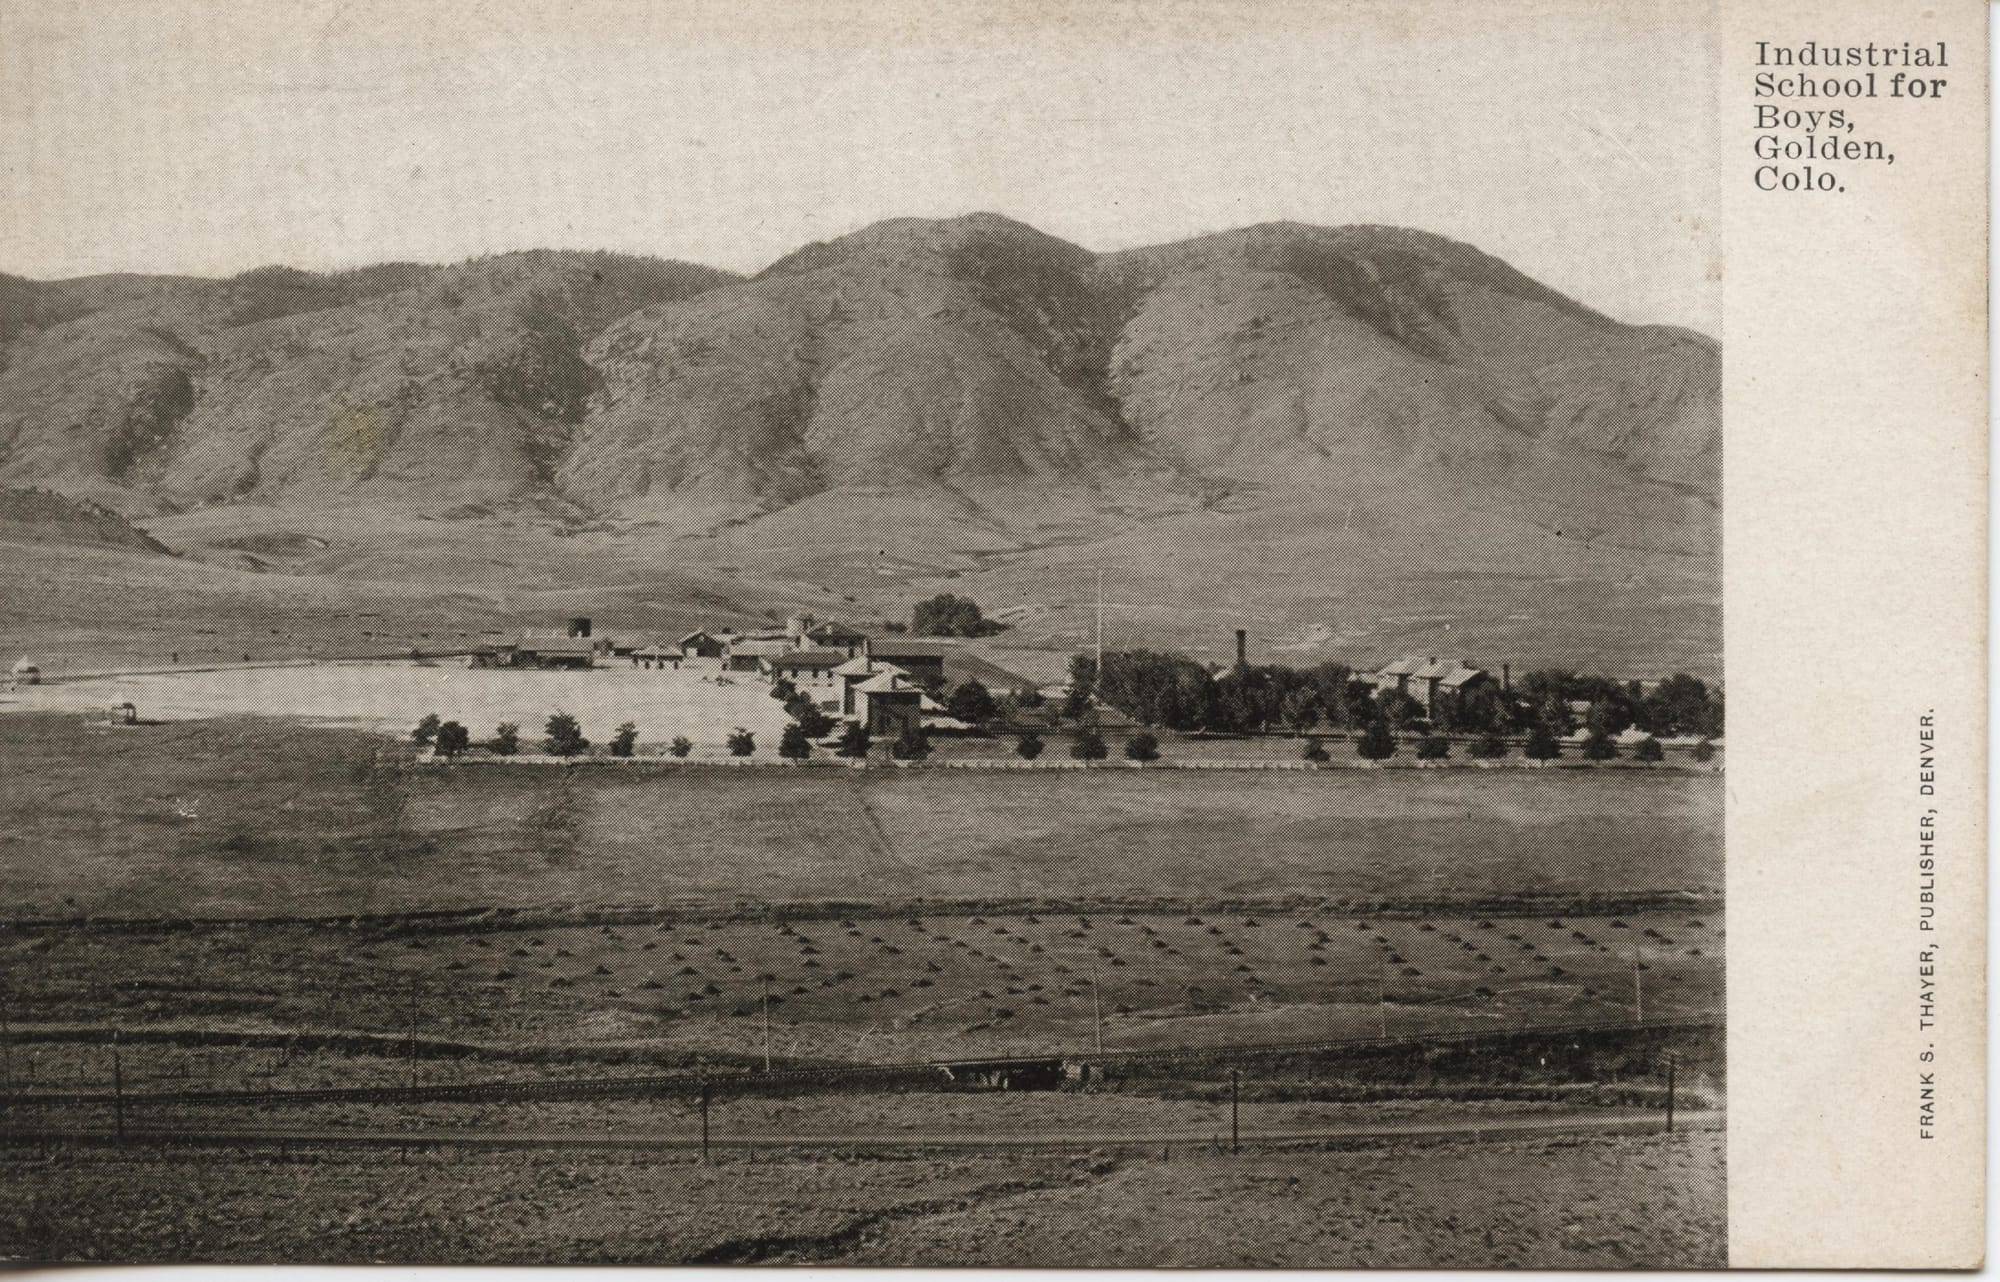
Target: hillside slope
x: 434, y: 387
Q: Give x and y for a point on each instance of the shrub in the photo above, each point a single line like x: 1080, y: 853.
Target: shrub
x: 1488, y: 746
x: 1433, y: 747
x: 1542, y: 744
x: 1599, y: 746
x: 971, y: 702
x: 741, y: 742
x: 1704, y: 751
x: 624, y: 740
x: 1376, y: 743
x: 783, y: 690
x: 426, y: 729
x: 506, y: 740
x: 794, y: 744
x: 452, y: 739
x: 1028, y: 746
x: 946, y: 615
x: 563, y: 737
x: 1649, y: 749
x: 854, y: 741
x: 1316, y: 751
x: 912, y: 744
x: 681, y: 746
x: 1142, y: 747
x: 1087, y: 745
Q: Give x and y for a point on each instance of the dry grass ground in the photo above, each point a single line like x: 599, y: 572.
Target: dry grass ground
x: 1590, y: 1201
x: 256, y: 817
x: 1652, y: 1201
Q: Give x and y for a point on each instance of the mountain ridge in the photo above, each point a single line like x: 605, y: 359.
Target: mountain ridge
x: 1017, y: 389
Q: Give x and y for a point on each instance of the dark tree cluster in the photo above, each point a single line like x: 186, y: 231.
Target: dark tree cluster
x: 1679, y: 705
x: 1173, y: 691
x: 945, y: 615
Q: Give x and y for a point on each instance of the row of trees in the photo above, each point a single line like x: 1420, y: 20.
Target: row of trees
x: 1157, y: 688
x: 1378, y: 743
x: 562, y: 736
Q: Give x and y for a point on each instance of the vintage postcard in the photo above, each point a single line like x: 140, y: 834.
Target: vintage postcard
x: 1229, y: 633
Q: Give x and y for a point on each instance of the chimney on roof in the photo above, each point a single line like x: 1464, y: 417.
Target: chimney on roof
x: 1242, y: 648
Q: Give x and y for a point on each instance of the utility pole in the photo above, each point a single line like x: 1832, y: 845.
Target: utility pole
x: 117, y: 1088
x: 1670, y: 1092
x: 1096, y: 1011
x: 1235, y: 1132
x: 1638, y: 988
x: 410, y: 1042
x: 767, y: 1023
x: 704, y: 1121
x: 1382, y: 998
x: 1100, y: 623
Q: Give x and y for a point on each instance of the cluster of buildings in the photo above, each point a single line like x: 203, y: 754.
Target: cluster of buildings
x: 1425, y: 679
x: 883, y: 683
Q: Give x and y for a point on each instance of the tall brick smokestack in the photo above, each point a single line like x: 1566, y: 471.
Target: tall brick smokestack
x: 1242, y: 648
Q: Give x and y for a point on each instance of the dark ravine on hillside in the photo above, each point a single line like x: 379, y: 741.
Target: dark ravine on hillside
x: 972, y: 368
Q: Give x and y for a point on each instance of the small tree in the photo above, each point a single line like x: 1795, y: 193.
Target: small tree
x: 813, y: 721
x: 506, y: 740
x: 854, y: 741
x: 1376, y: 743
x: 1433, y: 747
x: 783, y: 690
x: 1704, y: 751
x: 427, y: 729
x: 1316, y: 751
x: 452, y: 739
x: 1301, y: 709
x: 741, y: 742
x: 1088, y: 745
x: 1649, y: 749
x: 1599, y: 746
x: 626, y: 738
x: 1028, y: 746
x: 912, y: 744
x: 1489, y: 746
x: 794, y: 744
x: 1542, y: 744
x: 1142, y: 747
x: 971, y: 702
x: 563, y: 737
x: 681, y: 746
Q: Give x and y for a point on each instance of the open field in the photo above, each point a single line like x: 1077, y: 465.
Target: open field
x: 255, y: 817
x: 702, y: 703
x: 1585, y: 1201
x: 1655, y: 1201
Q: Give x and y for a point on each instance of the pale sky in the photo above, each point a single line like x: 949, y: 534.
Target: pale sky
x: 209, y: 136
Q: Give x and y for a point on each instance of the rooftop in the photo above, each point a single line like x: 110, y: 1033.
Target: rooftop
x: 827, y: 659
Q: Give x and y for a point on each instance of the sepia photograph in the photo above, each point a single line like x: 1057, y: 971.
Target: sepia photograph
x: 912, y: 634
